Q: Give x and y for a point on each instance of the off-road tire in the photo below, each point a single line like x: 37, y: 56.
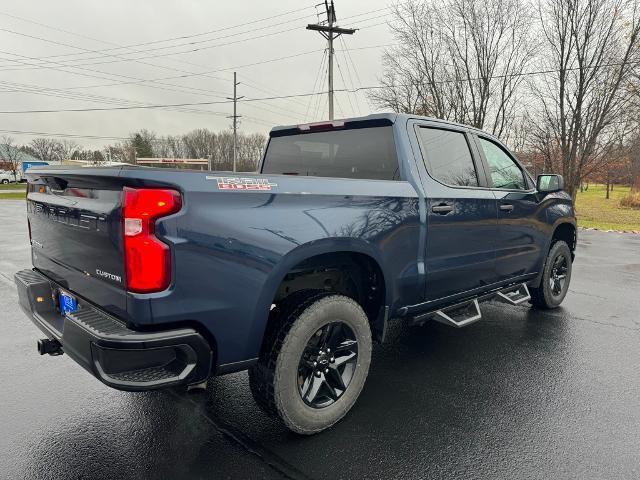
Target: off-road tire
x: 543, y: 296
x: 273, y: 380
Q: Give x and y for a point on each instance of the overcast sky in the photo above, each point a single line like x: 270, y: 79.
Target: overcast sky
x: 36, y: 73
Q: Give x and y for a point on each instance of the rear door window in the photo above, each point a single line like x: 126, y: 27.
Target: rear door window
x: 447, y: 156
x: 366, y: 153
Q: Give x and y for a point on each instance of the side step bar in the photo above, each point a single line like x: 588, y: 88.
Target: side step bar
x: 460, y: 315
x: 467, y: 312
x: 514, y: 295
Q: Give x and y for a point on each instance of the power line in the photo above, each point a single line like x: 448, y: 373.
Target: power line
x: 69, y: 91
x: 63, y: 135
x: 260, y: 121
x: 195, y: 74
x: 281, y: 111
x: 349, y: 59
x: 51, y: 92
x: 111, y: 100
x: 289, y: 114
x: 235, y: 67
x: 345, y: 84
x: 122, y: 58
x: 308, y: 94
x: 271, y: 91
x: 323, y: 80
x: 181, y: 89
x: 330, y: 32
x: 166, y: 54
x: 160, y: 85
x: 315, y: 82
x: 130, y: 46
x: 182, y: 71
x: 103, y: 54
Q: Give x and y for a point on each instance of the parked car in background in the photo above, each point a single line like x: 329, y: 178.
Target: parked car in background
x: 149, y: 277
x: 9, y: 177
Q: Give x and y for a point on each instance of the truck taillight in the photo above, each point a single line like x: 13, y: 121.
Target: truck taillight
x: 147, y: 259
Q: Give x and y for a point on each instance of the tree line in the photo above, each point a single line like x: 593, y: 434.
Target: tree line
x: 197, y: 144
x: 557, y: 80
x: 200, y: 143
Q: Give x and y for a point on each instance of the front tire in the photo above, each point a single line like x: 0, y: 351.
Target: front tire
x: 555, y: 278
x: 314, y: 364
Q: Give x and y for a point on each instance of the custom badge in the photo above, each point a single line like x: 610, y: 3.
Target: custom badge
x: 238, y: 183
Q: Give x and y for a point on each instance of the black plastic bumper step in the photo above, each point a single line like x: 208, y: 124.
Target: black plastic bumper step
x: 119, y: 356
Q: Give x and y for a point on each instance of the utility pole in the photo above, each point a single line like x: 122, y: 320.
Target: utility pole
x: 235, y: 117
x: 329, y: 31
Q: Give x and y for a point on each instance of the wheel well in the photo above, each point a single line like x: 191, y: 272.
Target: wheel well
x: 355, y: 275
x: 567, y: 233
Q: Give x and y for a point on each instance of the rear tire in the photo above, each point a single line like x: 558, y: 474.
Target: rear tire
x: 5, y: 181
x: 555, y: 278
x: 299, y: 378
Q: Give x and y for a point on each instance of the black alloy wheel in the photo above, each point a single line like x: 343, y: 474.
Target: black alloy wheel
x: 558, y: 276
x: 327, y: 365
x: 314, y: 361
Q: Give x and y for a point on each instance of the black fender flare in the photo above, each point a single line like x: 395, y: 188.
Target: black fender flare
x: 304, y: 252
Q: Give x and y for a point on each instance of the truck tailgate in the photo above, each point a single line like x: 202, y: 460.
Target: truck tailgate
x: 76, y: 235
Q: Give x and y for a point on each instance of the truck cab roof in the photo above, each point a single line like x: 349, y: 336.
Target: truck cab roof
x: 391, y: 117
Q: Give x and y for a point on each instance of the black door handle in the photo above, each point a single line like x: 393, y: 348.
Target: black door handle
x: 442, y: 209
x: 507, y: 207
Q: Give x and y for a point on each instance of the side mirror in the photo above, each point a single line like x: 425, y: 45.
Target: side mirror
x: 549, y: 183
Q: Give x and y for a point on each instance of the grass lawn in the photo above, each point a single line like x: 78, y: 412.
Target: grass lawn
x: 13, y: 186
x: 11, y: 195
x: 594, y: 210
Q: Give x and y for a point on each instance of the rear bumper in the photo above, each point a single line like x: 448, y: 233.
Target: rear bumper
x: 118, y: 356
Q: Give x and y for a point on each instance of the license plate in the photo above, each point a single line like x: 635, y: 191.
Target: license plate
x: 68, y: 303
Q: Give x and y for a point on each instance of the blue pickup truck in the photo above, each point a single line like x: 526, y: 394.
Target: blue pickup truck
x: 152, y: 278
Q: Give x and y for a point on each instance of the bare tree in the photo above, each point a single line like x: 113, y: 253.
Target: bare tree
x: 199, y: 143
x: 11, y: 154
x: 175, y: 147
x: 45, y: 149
x: 223, y: 157
x: 542, y: 141
x: 66, y: 148
x: 459, y: 60
x: 250, y: 150
x: 635, y: 174
x: 119, y: 152
x: 591, y: 49
x: 634, y: 161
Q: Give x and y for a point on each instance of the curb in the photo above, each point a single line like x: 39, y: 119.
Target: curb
x: 633, y: 232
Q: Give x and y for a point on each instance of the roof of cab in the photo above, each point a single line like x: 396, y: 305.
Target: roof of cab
x: 391, y: 116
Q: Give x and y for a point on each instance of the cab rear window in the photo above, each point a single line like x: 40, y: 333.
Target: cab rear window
x: 365, y: 153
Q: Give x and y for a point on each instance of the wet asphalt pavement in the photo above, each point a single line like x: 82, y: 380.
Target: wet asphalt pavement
x: 521, y: 394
